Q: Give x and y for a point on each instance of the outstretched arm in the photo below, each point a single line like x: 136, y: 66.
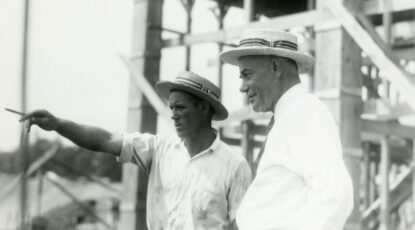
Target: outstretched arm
x: 89, y: 137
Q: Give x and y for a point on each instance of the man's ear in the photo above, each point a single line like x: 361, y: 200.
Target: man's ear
x: 204, y: 106
x: 276, y: 66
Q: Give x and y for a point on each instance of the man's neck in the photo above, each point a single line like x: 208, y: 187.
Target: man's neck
x: 200, y: 141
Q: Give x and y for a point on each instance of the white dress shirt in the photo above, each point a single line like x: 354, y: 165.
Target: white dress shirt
x: 302, y: 182
x: 200, y: 192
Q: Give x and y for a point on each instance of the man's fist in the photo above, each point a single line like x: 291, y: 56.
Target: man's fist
x: 41, y: 118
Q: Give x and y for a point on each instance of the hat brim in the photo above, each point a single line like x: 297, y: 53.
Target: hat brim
x: 232, y: 56
x: 164, y: 88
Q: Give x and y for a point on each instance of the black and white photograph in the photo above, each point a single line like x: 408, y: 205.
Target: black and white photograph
x: 207, y: 115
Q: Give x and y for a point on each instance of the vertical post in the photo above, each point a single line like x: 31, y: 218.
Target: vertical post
x: 146, y: 45
x: 387, y: 20
x: 24, y: 138
x: 387, y: 25
x: 39, y: 192
x: 366, y: 175
x: 338, y: 69
x: 249, y: 10
x: 384, y: 187
x: 188, y: 5
x: 413, y: 182
x: 221, y: 16
x: 246, y: 142
x: 373, y: 172
x: 311, y: 5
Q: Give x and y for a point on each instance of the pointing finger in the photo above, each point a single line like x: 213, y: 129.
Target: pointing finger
x: 30, y: 123
x: 25, y: 117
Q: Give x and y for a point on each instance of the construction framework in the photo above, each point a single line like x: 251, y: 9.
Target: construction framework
x: 362, y: 78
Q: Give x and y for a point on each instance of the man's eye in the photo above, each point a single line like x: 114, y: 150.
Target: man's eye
x: 246, y: 75
x: 176, y: 107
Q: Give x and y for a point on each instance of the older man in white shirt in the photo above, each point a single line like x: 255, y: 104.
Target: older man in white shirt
x: 301, y: 180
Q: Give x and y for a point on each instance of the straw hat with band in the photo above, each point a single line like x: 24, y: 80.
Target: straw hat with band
x: 197, y: 86
x: 268, y: 42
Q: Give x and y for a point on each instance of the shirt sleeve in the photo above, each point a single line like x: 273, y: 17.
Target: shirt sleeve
x: 138, y: 148
x: 239, y: 185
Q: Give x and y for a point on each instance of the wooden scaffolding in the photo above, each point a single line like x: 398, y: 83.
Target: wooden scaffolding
x: 363, y: 78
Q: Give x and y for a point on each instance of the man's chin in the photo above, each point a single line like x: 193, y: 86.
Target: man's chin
x: 180, y: 134
x: 256, y: 108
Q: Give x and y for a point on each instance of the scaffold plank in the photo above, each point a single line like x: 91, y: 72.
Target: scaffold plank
x: 304, y: 19
x: 376, y: 6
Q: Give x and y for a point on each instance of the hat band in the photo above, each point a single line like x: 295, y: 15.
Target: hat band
x: 262, y: 42
x: 197, y: 86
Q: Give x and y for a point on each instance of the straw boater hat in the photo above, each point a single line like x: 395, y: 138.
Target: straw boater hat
x: 268, y: 42
x: 198, y: 86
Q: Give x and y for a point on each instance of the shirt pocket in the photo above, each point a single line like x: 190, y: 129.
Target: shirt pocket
x: 206, y: 201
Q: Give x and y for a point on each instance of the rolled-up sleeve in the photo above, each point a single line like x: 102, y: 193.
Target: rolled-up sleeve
x: 138, y: 148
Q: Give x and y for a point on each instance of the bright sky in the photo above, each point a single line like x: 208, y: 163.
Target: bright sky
x: 74, y: 69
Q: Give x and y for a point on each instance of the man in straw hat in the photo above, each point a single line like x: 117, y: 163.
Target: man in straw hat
x: 195, y: 181
x: 301, y: 181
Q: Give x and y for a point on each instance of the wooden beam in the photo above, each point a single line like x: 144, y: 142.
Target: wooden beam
x: 249, y: 10
x: 141, y: 116
x: 78, y: 202
x: 399, y: 78
x: 366, y: 174
x: 405, y: 53
x: 387, y: 128
x: 380, y: 111
x: 242, y: 114
x: 31, y: 170
x: 371, y: 31
x: 338, y: 81
x: 376, y: 6
x: 238, y: 142
x: 387, y: 20
x: 148, y: 90
x: 399, y: 192
x: 304, y: 19
x: 384, y: 186
x: 413, y: 177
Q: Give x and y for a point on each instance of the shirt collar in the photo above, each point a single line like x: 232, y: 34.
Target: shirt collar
x: 211, y: 149
x: 288, y: 96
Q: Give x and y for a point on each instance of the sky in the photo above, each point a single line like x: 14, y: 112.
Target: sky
x: 74, y: 69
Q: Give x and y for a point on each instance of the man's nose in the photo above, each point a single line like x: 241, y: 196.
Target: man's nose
x: 174, y: 116
x: 243, y: 88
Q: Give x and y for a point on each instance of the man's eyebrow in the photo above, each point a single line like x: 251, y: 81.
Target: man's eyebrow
x: 175, y: 103
x: 245, y: 71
